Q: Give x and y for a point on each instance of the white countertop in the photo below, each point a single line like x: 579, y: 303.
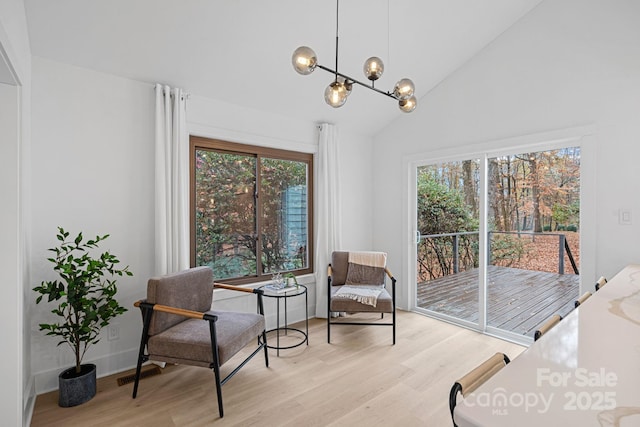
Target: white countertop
x: 584, y: 372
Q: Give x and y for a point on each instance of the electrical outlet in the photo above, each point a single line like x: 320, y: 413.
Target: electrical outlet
x: 624, y: 216
x: 114, y: 333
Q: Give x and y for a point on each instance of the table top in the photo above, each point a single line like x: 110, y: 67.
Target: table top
x: 584, y: 372
x: 289, y: 291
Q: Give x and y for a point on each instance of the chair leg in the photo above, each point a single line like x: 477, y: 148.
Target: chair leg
x: 328, y: 323
x: 146, y: 320
x: 137, y: 379
x: 216, y: 371
x: 266, y: 353
x: 216, y: 365
x: 329, y: 309
x: 394, y: 326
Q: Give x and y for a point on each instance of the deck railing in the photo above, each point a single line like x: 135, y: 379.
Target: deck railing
x: 563, y: 246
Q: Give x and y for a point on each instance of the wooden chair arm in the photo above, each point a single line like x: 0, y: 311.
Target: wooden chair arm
x: 386, y: 270
x: 582, y: 299
x: 481, y: 373
x: 544, y: 328
x: 601, y: 282
x: 329, y: 271
x: 234, y: 288
x: 174, y: 310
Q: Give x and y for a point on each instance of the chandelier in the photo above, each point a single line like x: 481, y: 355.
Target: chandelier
x: 305, y: 61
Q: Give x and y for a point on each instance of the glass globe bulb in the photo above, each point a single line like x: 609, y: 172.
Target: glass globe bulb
x: 348, y: 85
x: 335, y: 94
x: 408, y: 105
x: 373, y: 68
x: 304, y: 60
x: 404, y: 89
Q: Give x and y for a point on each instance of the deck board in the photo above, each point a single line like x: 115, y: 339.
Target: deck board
x: 517, y: 300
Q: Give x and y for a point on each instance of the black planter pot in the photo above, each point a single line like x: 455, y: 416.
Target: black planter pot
x: 76, y: 389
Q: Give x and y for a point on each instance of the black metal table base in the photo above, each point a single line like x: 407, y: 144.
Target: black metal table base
x: 304, y: 338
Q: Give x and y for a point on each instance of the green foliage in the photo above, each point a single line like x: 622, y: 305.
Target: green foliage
x: 290, y: 276
x: 442, y: 210
x: 85, y: 292
x: 227, y: 210
x: 566, y: 214
x: 506, y: 249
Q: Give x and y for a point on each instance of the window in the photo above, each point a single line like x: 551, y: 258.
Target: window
x: 251, y: 210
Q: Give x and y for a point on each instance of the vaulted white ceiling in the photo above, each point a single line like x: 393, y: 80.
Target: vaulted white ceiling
x: 239, y: 51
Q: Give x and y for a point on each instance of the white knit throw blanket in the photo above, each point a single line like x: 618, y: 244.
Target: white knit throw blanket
x: 363, y: 294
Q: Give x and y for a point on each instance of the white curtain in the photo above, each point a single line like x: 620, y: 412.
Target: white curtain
x: 172, y: 181
x: 328, y: 214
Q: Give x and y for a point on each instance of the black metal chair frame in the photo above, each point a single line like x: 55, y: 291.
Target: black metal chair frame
x: 329, y: 312
x: 148, y: 309
x: 457, y: 388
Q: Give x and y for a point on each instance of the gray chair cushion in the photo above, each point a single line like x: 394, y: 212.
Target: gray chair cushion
x: 189, y: 341
x: 190, y: 289
x: 384, y: 303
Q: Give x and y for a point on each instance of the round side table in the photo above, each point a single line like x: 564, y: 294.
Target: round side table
x: 285, y: 294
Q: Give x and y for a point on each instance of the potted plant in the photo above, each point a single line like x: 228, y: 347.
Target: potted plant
x: 291, y: 279
x: 85, y: 291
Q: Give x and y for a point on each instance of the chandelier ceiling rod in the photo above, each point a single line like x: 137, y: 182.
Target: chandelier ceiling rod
x: 305, y: 62
x: 337, y: 27
x: 352, y: 80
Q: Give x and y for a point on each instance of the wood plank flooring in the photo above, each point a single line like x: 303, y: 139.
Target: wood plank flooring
x: 517, y: 300
x: 359, y: 379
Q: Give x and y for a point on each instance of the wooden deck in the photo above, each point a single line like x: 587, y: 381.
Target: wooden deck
x: 517, y: 300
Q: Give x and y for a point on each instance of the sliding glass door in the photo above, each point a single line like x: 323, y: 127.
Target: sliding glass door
x: 497, y: 241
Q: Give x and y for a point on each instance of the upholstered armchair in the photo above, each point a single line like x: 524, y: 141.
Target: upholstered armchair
x: 180, y: 327
x: 356, y: 284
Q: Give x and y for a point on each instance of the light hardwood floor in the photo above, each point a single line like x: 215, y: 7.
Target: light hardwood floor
x: 358, y: 379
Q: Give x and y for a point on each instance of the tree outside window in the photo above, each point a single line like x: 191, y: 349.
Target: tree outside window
x: 251, y: 210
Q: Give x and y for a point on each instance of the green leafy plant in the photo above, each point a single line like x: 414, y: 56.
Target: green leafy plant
x: 86, y: 291
x: 290, y: 275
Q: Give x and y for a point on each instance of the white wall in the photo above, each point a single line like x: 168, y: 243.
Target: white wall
x: 567, y: 63
x: 17, y: 396
x: 93, y: 172
x: 357, y: 192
